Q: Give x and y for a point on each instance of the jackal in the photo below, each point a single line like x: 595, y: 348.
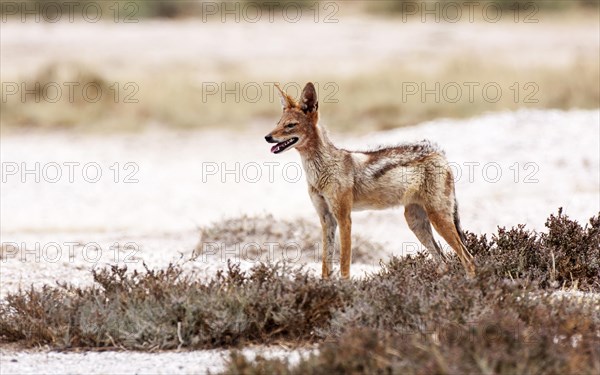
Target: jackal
x: 415, y: 175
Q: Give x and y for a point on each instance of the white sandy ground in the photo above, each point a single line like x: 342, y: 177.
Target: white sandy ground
x: 162, y: 212
x: 187, y: 362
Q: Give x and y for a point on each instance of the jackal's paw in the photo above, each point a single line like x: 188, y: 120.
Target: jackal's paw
x: 442, y: 268
x: 471, y: 273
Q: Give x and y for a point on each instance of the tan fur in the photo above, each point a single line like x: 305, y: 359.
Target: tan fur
x: 414, y: 175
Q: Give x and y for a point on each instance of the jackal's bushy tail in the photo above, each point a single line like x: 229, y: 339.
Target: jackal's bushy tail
x: 461, y: 234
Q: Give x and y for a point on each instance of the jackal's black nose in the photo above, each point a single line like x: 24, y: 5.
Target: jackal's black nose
x: 269, y: 138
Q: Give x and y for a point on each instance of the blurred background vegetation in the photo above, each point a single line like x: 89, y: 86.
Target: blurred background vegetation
x: 173, y: 95
x: 399, y: 6
x: 373, y: 100
x: 193, y: 8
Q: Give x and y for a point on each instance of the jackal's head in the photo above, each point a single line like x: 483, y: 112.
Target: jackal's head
x: 298, y: 123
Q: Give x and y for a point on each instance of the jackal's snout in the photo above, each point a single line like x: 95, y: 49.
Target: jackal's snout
x: 281, y: 146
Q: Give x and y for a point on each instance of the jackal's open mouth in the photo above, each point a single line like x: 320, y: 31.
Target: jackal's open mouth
x: 282, y: 146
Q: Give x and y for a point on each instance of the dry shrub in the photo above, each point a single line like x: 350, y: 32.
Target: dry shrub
x: 64, y: 95
x: 408, y: 319
x: 408, y: 7
x: 166, y: 309
x: 500, y: 343
x: 130, y: 10
x: 405, y: 319
x: 568, y: 255
x: 296, y: 240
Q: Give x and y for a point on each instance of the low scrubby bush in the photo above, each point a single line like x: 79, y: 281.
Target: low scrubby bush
x: 166, y: 309
x: 533, y: 307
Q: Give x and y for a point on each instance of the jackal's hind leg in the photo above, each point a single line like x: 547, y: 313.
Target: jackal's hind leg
x: 419, y: 223
x: 443, y: 222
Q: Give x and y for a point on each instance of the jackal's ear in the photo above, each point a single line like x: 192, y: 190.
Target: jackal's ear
x: 286, y: 100
x: 308, y: 102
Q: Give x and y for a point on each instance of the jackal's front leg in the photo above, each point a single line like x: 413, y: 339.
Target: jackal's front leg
x: 329, y: 226
x: 342, y: 209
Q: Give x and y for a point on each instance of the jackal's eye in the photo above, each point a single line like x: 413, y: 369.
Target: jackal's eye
x: 291, y: 126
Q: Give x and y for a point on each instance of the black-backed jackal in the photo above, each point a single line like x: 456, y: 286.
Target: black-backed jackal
x: 415, y: 175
